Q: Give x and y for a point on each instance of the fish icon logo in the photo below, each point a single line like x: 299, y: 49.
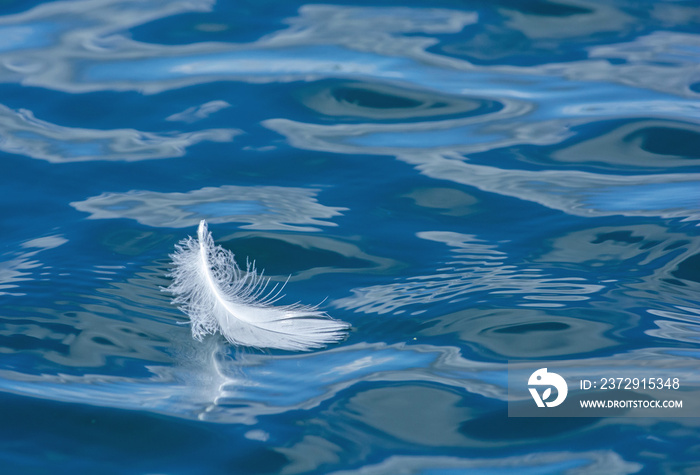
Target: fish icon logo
x: 543, y: 378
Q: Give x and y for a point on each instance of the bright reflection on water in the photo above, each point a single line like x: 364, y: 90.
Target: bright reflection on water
x: 466, y: 185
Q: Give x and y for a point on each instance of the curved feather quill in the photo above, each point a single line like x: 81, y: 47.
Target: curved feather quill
x: 217, y: 295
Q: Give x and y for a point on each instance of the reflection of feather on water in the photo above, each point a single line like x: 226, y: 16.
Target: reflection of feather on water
x: 218, y: 296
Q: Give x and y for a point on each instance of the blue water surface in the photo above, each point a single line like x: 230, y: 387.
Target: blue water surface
x: 465, y: 183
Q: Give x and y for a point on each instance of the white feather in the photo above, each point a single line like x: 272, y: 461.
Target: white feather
x: 218, y: 296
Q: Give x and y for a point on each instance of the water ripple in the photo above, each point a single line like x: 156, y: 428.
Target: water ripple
x: 24, y: 134
x: 23, y: 266
x: 261, y: 207
x: 543, y: 462
x: 478, y: 268
x: 580, y: 193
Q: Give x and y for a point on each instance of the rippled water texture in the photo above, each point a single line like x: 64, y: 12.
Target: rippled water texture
x: 467, y: 184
